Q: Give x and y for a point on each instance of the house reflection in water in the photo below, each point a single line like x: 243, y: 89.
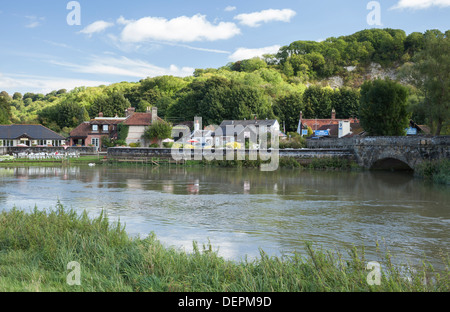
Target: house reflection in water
x: 193, y: 188
x: 246, y: 187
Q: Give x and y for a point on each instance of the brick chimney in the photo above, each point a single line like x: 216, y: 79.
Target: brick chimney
x: 100, y: 114
x: 333, y: 114
x: 129, y: 111
x: 154, y: 115
x: 196, y: 125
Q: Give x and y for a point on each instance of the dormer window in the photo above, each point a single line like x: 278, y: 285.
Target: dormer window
x: 94, y: 127
x: 105, y: 128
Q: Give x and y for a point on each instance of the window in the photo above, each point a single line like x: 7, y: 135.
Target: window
x: 9, y: 143
x: 105, y: 128
x: 95, y: 142
x: 94, y: 127
x: 56, y: 143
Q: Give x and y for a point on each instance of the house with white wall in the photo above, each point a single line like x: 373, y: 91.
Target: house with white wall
x: 29, y: 135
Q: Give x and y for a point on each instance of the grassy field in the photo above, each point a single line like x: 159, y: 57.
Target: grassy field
x: 36, y: 247
x: 82, y: 160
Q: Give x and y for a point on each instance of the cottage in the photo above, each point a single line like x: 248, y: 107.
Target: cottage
x: 29, y: 135
x: 231, y: 131
x: 91, y: 132
x: 331, y: 127
x: 201, y: 137
x: 138, y: 122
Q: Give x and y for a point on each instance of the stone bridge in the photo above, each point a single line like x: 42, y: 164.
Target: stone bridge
x: 401, y: 153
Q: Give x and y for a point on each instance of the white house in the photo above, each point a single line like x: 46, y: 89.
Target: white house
x: 29, y: 135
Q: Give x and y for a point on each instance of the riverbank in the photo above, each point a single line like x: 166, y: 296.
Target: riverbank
x: 435, y: 171
x: 82, y: 160
x: 329, y: 163
x: 36, y: 247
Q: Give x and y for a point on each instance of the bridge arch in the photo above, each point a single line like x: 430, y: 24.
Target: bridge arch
x: 391, y: 163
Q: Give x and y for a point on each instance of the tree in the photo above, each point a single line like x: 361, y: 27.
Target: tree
x: 431, y: 72
x: 287, y: 109
x: 160, y: 130
x: 218, y: 98
x: 5, y: 110
x: 346, y: 103
x: 111, y: 104
x: 318, y: 102
x: 253, y: 64
x: 415, y: 42
x: 17, y: 96
x: 383, y: 110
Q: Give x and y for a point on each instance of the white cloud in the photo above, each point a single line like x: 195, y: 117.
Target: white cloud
x: 244, y: 53
x: 122, y: 21
x: 230, y: 8
x: 43, y: 84
x: 96, y: 27
x: 256, y: 18
x: 34, y: 21
x: 420, y: 4
x: 123, y: 66
x: 179, y: 29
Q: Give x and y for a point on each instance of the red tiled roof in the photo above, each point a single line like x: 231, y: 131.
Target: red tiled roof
x: 317, y: 124
x: 106, y: 121
x: 81, y: 131
x: 355, y: 128
x: 140, y: 119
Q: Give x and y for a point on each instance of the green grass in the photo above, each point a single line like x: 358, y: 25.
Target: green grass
x: 82, y: 160
x: 36, y: 247
x: 435, y: 171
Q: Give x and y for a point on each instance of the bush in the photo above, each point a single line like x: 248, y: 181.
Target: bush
x: 435, y: 171
x: 120, y: 143
x: 135, y: 144
x: 154, y: 145
x: 295, y: 142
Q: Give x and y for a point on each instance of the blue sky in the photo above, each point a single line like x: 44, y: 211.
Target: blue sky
x: 130, y: 40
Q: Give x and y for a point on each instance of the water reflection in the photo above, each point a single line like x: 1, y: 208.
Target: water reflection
x: 240, y: 211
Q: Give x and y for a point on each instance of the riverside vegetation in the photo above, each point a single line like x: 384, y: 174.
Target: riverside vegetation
x: 435, y: 171
x: 36, y: 246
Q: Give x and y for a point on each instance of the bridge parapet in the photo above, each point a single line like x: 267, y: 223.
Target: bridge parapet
x: 410, y: 150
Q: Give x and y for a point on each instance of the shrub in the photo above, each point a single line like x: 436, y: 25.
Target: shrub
x: 435, y: 171
x: 120, y: 143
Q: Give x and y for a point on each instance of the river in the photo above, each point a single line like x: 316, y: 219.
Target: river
x: 240, y: 211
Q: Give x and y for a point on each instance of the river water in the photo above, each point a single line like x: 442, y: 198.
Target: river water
x: 240, y: 211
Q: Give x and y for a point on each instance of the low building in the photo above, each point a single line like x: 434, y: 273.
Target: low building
x: 29, y: 135
x: 333, y: 127
x: 243, y: 129
x: 90, y: 133
x: 137, y: 124
x: 415, y: 129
